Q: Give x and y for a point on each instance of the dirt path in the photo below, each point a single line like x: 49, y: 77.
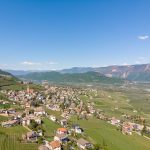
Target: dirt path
x: 27, y: 128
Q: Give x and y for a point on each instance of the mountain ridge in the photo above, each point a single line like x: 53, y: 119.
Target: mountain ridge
x: 57, y: 77
x: 140, y: 72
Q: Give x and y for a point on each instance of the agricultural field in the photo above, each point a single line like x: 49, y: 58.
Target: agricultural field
x: 49, y: 128
x: 101, y: 132
x: 116, y: 101
x: 57, y: 114
x: 18, y: 86
x: 10, y: 139
x: 3, y: 118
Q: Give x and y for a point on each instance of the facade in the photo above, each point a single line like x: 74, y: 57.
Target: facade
x: 10, y: 123
x: 83, y: 144
x: 54, y: 145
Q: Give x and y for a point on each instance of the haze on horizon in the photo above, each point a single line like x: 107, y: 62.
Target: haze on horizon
x: 58, y: 34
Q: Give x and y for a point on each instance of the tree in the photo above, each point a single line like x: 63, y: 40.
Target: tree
x: 33, y: 125
x: 143, y: 130
x: 40, y: 140
x: 97, y: 147
x: 31, y: 111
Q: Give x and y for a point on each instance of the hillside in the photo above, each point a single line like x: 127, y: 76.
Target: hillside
x: 3, y: 73
x: 7, y: 79
x: 129, y: 72
x: 18, y: 72
x: 56, y: 77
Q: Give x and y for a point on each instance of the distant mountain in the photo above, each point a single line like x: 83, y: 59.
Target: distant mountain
x: 18, y: 72
x: 88, y: 77
x: 23, y: 72
x: 129, y: 72
x: 3, y: 73
x: 78, y: 70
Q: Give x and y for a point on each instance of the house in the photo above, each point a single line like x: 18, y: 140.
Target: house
x: 3, y: 111
x: 115, y: 121
x: 127, y: 128
x: 54, y: 107
x: 54, y: 145
x: 138, y: 127
x: 25, y: 121
x: 17, y: 115
x: 37, y: 120
x: 27, y: 105
x: 61, y: 137
x: 30, y: 136
x: 63, y: 122
x: 11, y: 111
x: 39, y: 111
x: 62, y: 131
x: 53, y: 118
x: 83, y: 144
x: 40, y: 133
x: 10, y: 123
x: 76, y: 128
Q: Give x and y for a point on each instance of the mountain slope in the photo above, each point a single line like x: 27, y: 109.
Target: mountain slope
x: 18, y: 72
x: 56, y: 77
x: 129, y: 72
x: 7, y: 79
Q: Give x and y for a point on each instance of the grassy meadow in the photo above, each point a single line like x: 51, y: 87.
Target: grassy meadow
x: 10, y: 139
x: 101, y: 132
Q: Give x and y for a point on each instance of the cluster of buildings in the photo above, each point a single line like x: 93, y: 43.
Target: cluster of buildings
x: 67, y: 101
x: 126, y: 126
x: 62, y: 136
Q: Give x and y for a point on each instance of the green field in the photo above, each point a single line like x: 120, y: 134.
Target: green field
x: 18, y: 86
x: 100, y: 132
x: 57, y: 114
x: 117, y: 101
x: 10, y: 139
x: 49, y: 127
x: 3, y: 118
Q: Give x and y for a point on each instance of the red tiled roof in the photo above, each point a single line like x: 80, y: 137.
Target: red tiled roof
x: 55, y: 144
x: 62, y: 129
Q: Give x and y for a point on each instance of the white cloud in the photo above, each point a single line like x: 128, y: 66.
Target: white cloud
x: 125, y: 64
x: 143, y: 37
x: 30, y: 63
x: 52, y: 63
x: 3, y: 65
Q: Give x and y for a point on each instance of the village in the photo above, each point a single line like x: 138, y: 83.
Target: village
x: 34, y: 106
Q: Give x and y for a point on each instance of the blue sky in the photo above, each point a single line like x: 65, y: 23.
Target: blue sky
x: 56, y: 34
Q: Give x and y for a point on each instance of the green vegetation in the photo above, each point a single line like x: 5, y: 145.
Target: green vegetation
x: 3, y: 118
x: 100, y: 131
x: 56, y: 77
x: 57, y: 114
x: 50, y: 128
x: 4, y: 106
x: 132, y: 72
x: 10, y: 139
x: 18, y: 86
x: 115, y: 101
x: 9, y: 82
